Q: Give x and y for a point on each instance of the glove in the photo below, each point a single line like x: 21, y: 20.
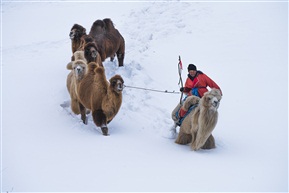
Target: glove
x: 182, y: 89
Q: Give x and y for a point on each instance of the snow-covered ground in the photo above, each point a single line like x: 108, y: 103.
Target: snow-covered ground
x: 243, y: 46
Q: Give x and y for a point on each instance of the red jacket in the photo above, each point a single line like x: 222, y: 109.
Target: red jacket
x: 201, y: 81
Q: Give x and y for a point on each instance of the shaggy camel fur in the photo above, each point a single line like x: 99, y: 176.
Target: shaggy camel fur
x: 76, y: 32
x: 108, y: 40
x: 197, y: 127
x: 78, y: 55
x: 78, y: 70
x: 103, y: 98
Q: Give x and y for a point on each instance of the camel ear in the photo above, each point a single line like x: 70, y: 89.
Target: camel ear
x: 69, y: 66
x: 113, y: 82
x: 218, y: 92
x: 122, y: 80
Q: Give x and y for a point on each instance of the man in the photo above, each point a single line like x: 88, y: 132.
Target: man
x: 197, y: 82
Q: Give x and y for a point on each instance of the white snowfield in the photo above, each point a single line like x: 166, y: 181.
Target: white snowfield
x: 242, y: 46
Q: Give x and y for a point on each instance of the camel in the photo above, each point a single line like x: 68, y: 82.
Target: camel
x: 78, y: 70
x: 103, y: 98
x: 108, y: 39
x: 197, y: 127
x: 76, y: 32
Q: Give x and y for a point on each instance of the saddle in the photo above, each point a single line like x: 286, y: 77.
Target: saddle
x: 181, y: 119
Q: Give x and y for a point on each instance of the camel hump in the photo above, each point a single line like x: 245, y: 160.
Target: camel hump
x: 190, y: 101
x: 92, y: 65
x: 97, y: 28
x: 98, y: 23
x: 108, y: 24
x: 99, y: 69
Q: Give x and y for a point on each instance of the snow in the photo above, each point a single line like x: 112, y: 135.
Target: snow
x: 243, y: 46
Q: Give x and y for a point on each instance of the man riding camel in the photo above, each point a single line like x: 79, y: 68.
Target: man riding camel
x: 196, y: 84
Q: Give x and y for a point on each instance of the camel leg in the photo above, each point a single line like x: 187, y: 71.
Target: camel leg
x: 83, y: 113
x: 200, y: 141
x: 120, y: 53
x: 120, y: 58
x: 104, y: 130
x: 112, y: 58
x: 210, y: 143
x: 102, y: 54
x: 183, y: 138
x: 100, y: 120
x: 75, y: 106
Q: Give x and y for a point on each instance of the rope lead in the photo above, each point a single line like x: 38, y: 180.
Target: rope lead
x: 154, y: 90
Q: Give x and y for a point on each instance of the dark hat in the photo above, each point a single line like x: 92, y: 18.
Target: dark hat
x: 192, y: 67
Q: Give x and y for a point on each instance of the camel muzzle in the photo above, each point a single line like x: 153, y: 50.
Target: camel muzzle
x: 120, y: 87
x: 94, y: 54
x: 71, y: 35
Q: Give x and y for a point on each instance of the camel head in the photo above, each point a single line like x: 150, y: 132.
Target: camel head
x: 76, y: 32
x: 116, y: 83
x: 79, y: 69
x: 91, y: 52
x: 212, y: 99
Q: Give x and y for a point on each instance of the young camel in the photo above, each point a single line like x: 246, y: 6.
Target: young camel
x: 103, y: 98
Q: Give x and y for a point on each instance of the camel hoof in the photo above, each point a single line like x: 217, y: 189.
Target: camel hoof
x: 85, y: 120
x: 104, y: 131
